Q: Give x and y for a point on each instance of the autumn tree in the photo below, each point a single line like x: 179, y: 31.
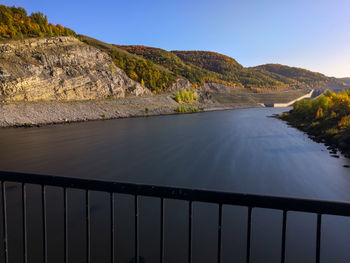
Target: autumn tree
x: 15, y: 23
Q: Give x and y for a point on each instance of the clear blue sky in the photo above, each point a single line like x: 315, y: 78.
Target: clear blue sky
x: 314, y: 34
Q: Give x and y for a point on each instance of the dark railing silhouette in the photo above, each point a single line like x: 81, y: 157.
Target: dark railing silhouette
x: 191, y: 195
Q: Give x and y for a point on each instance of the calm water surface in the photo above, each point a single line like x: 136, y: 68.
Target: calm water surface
x: 239, y: 151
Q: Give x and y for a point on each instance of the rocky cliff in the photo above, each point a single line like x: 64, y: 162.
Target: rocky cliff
x: 60, y: 68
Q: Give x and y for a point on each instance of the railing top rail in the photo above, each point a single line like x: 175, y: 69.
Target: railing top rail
x: 225, y: 198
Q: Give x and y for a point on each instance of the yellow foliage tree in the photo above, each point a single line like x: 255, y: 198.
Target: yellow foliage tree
x: 319, y: 113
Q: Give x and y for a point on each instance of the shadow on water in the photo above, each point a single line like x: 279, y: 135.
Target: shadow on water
x: 238, y: 151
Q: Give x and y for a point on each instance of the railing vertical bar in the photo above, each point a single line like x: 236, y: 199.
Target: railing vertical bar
x: 162, y: 230
x: 136, y: 206
x: 190, y: 232
x: 4, y: 213
x: 112, y: 226
x: 219, y: 233
x: 249, y: 229
x: 65, y: 224
x: 24, y: 206
x: 284, y: 228
x: 43, y: 205
x: 318, y: 237
x: 87, y: 202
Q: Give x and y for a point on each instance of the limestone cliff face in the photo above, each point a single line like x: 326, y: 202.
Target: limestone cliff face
x: 217, y: 88
x: 60, y: 68
x: 179, y: 84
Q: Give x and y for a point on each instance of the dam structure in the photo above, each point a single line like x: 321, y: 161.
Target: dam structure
x: 290, y: 103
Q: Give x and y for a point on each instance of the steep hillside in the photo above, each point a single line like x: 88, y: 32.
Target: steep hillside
x: 138, y: 68
x: 196, y: 75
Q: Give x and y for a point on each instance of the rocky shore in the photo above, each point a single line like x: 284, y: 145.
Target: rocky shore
x: 333, y: 146
x: 29, y: 114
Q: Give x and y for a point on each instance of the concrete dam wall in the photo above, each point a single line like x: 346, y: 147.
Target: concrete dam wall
x: 290, y: 103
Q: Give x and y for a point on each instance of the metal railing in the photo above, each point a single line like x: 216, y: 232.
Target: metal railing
x: 191, y: 195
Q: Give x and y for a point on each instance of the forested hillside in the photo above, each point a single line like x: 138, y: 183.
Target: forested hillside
x: 15, y: 23
x: 196, y: 75
x: 204, y: 66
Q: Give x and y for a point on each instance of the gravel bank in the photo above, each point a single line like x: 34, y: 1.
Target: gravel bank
x: 42, y: 113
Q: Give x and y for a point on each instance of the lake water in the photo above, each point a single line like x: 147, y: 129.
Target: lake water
x: 237, y: 151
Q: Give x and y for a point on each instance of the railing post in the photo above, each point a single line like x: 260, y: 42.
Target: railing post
x: 249, y: 229
x: 284, y: 228
x: 136, y: 206
x: 190, y: 232
x: 4, y: 214
x: 43, y: 205
x: 219, y: 233
x: 318, y: 237
x: 162, y: 230
x: 87, y: 202
x: 65, y: 222
x: 24, y: 206
x: 112, y: 226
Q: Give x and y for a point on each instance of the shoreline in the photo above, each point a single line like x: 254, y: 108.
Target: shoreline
x: 332, y: 146
x: 37, y: 114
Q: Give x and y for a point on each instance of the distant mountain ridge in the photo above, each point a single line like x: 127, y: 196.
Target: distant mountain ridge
x: 345, y: 80
x: 302, y: 76
x: 298, y: 74
x: 207, y: 66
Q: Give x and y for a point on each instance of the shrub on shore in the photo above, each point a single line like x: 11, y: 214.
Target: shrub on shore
x: 187, y: 96
x: 186, y: 109
x: 323, y: 108
x: 326, y: 117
